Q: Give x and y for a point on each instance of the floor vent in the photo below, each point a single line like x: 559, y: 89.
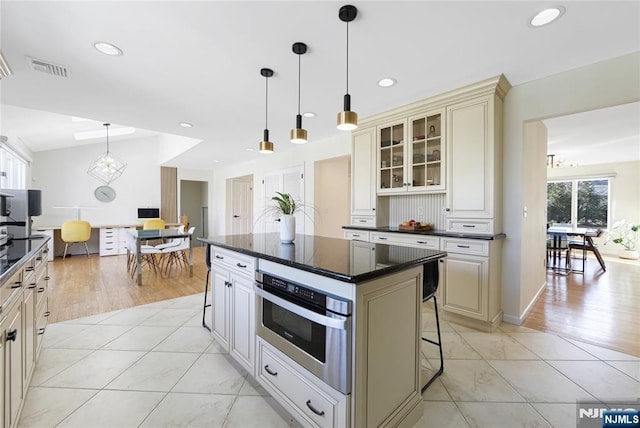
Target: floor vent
x: 48, y: 67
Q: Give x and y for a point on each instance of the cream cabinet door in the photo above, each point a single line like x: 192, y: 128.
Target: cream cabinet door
x: 471, y: 159
x: 243, y: 322
x: 220, y: 286
x: 465, y: 290
x: 363, y: 173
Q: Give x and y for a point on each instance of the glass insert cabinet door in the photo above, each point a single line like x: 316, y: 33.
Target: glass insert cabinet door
x: 392, y: 153
x: 426, y: 153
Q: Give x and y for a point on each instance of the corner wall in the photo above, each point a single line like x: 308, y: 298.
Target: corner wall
x: 595, y: 86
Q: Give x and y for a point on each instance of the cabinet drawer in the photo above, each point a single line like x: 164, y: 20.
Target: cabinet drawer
x: 297, y: 390
x: 363, y: 221
x: 357, y: 235
x: 465, y: 246
x: 234, y: 261
x: 11, y: 289
x: 108, y: 232
x: 469, y: 226
x: 407, y: 240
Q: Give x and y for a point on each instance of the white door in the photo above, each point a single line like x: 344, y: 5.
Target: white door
x: 290, y: 181
x: 241, y: 207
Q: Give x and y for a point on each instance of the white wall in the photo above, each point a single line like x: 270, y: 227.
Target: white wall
x: 595, y: 86
x: 625, y: 192
x: 307, y: 154
x: 62, y: 177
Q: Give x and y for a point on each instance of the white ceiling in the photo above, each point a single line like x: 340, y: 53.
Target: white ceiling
x: 199, y: 62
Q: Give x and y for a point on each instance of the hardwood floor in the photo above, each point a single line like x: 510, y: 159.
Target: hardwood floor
x: 82, y: 286
x: 598, y: 307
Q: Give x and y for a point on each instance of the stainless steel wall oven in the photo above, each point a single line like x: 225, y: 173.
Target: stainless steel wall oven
x: 311, y: 327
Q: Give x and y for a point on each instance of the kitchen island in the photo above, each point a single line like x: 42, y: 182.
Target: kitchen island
x: 331, y: 328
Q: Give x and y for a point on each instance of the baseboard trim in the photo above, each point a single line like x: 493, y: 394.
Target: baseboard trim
x: 518, y: 320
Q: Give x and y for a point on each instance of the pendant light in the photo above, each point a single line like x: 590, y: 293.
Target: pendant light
x: 347, y: 119
x: 299, y: 135
x: 266, y: 146
x: 106, y: 167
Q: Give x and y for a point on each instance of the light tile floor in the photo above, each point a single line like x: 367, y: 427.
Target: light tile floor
x: 156, y: 366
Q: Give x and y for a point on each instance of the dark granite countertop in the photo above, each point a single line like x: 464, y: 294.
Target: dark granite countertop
x: 341, y: 259
x: 15, y: 254
x: 485, y: 237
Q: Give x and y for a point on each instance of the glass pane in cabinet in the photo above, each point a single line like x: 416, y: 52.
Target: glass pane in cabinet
x: 397, y: 178
x: 419, y: 176
x: 397, y: 158
x: 385, y: 158
x: 434, y: 150
x: 385, y: 137
x: 419, y: 152
x: 385, y: 179
x: 398, y: 134
x: 418, y: 131
x: 434, y: 175
x: 433, y: 126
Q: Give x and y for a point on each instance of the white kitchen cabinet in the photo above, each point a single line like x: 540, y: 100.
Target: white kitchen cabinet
x: 13, y: 362
x: 109, y: 241
x: 406, y: 240
x: 233, y: 319
x: 471, y: 291
x: 302, y: 394
x: 366, y: 208
x: 474, y: 134
x: 391, y: 155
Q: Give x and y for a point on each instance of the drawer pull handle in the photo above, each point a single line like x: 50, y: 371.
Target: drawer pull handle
x: 32, y: 285
x: 47, y: 313
x: 240, y: 265
x: 219, y: 257
x: 41, y: 331
x: 422, y: 242
x: 47, y: 278
x: 355, y: 235
x: 12, y: 335
x: 17, y: 284
x: 38, y: 258
x: 41, y: 290
x: 382, y: 238
x: 266, y: 369
x: 319, y: 413
x: 462, y: 246
x: 468, y: 225
x: 227, y: 283
x: 29, y: 269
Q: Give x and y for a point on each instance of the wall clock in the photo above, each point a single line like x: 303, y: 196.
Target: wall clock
x: 105, y: 193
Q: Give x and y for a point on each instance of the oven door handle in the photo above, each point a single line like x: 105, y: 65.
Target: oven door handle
x: 339, y: 324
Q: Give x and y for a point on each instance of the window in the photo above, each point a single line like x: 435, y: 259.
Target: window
x: 13, y: 170
x: 580, y: 203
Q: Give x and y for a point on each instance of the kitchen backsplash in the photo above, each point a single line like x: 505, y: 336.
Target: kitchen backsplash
x: 426, y: 208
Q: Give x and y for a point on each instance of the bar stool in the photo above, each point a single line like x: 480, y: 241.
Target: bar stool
x: 206, y: 286
x: 430, y: 279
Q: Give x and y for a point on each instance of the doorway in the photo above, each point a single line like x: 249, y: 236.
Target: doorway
x: 332, y: 196
x: 240, y: 191
x: 194, y: 202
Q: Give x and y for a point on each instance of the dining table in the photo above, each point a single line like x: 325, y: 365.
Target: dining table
x: 157, y: 234
x: 583, y: 235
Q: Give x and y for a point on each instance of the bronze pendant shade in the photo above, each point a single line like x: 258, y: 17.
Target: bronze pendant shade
x: 266, y: 146
x: 299, y: 134
x: 347, y: 119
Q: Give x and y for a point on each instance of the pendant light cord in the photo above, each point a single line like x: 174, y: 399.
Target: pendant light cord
x: 266, y: 101
x: 347, y: 57
x: 299, y: 68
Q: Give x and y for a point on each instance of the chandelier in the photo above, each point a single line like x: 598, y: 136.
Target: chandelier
x: 106, y: 167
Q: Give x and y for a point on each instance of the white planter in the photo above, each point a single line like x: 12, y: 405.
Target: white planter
x: 629, y: 254
x: 287, y: 228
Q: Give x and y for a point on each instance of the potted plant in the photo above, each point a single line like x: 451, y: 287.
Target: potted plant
x: 286, y: 205
x: 625, y: 234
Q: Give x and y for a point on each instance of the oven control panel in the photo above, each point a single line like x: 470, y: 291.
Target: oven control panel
x: 291, y: 288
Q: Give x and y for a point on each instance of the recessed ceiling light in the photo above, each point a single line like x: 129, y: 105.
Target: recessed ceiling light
x: 386, y: 82
x: 547, y: 16
x: 249, y: 149
x: 108, y: 48
x: 309, y: 114
x: 186, y: 125
x: 215, y: 161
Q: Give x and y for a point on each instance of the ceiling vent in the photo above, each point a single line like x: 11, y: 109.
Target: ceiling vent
x: 48, y: 67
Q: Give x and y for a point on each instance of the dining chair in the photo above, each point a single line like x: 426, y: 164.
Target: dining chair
x: 148, y: 256
x: 176, y: 254
x: 587, y: 244
x: 74, y: 232
x: 153, y: 224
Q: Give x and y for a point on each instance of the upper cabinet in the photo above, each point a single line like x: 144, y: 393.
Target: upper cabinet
x: 411, y: 154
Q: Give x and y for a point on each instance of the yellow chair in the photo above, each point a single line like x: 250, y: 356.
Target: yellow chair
x: 75, y: 231
x: 153, y: 224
